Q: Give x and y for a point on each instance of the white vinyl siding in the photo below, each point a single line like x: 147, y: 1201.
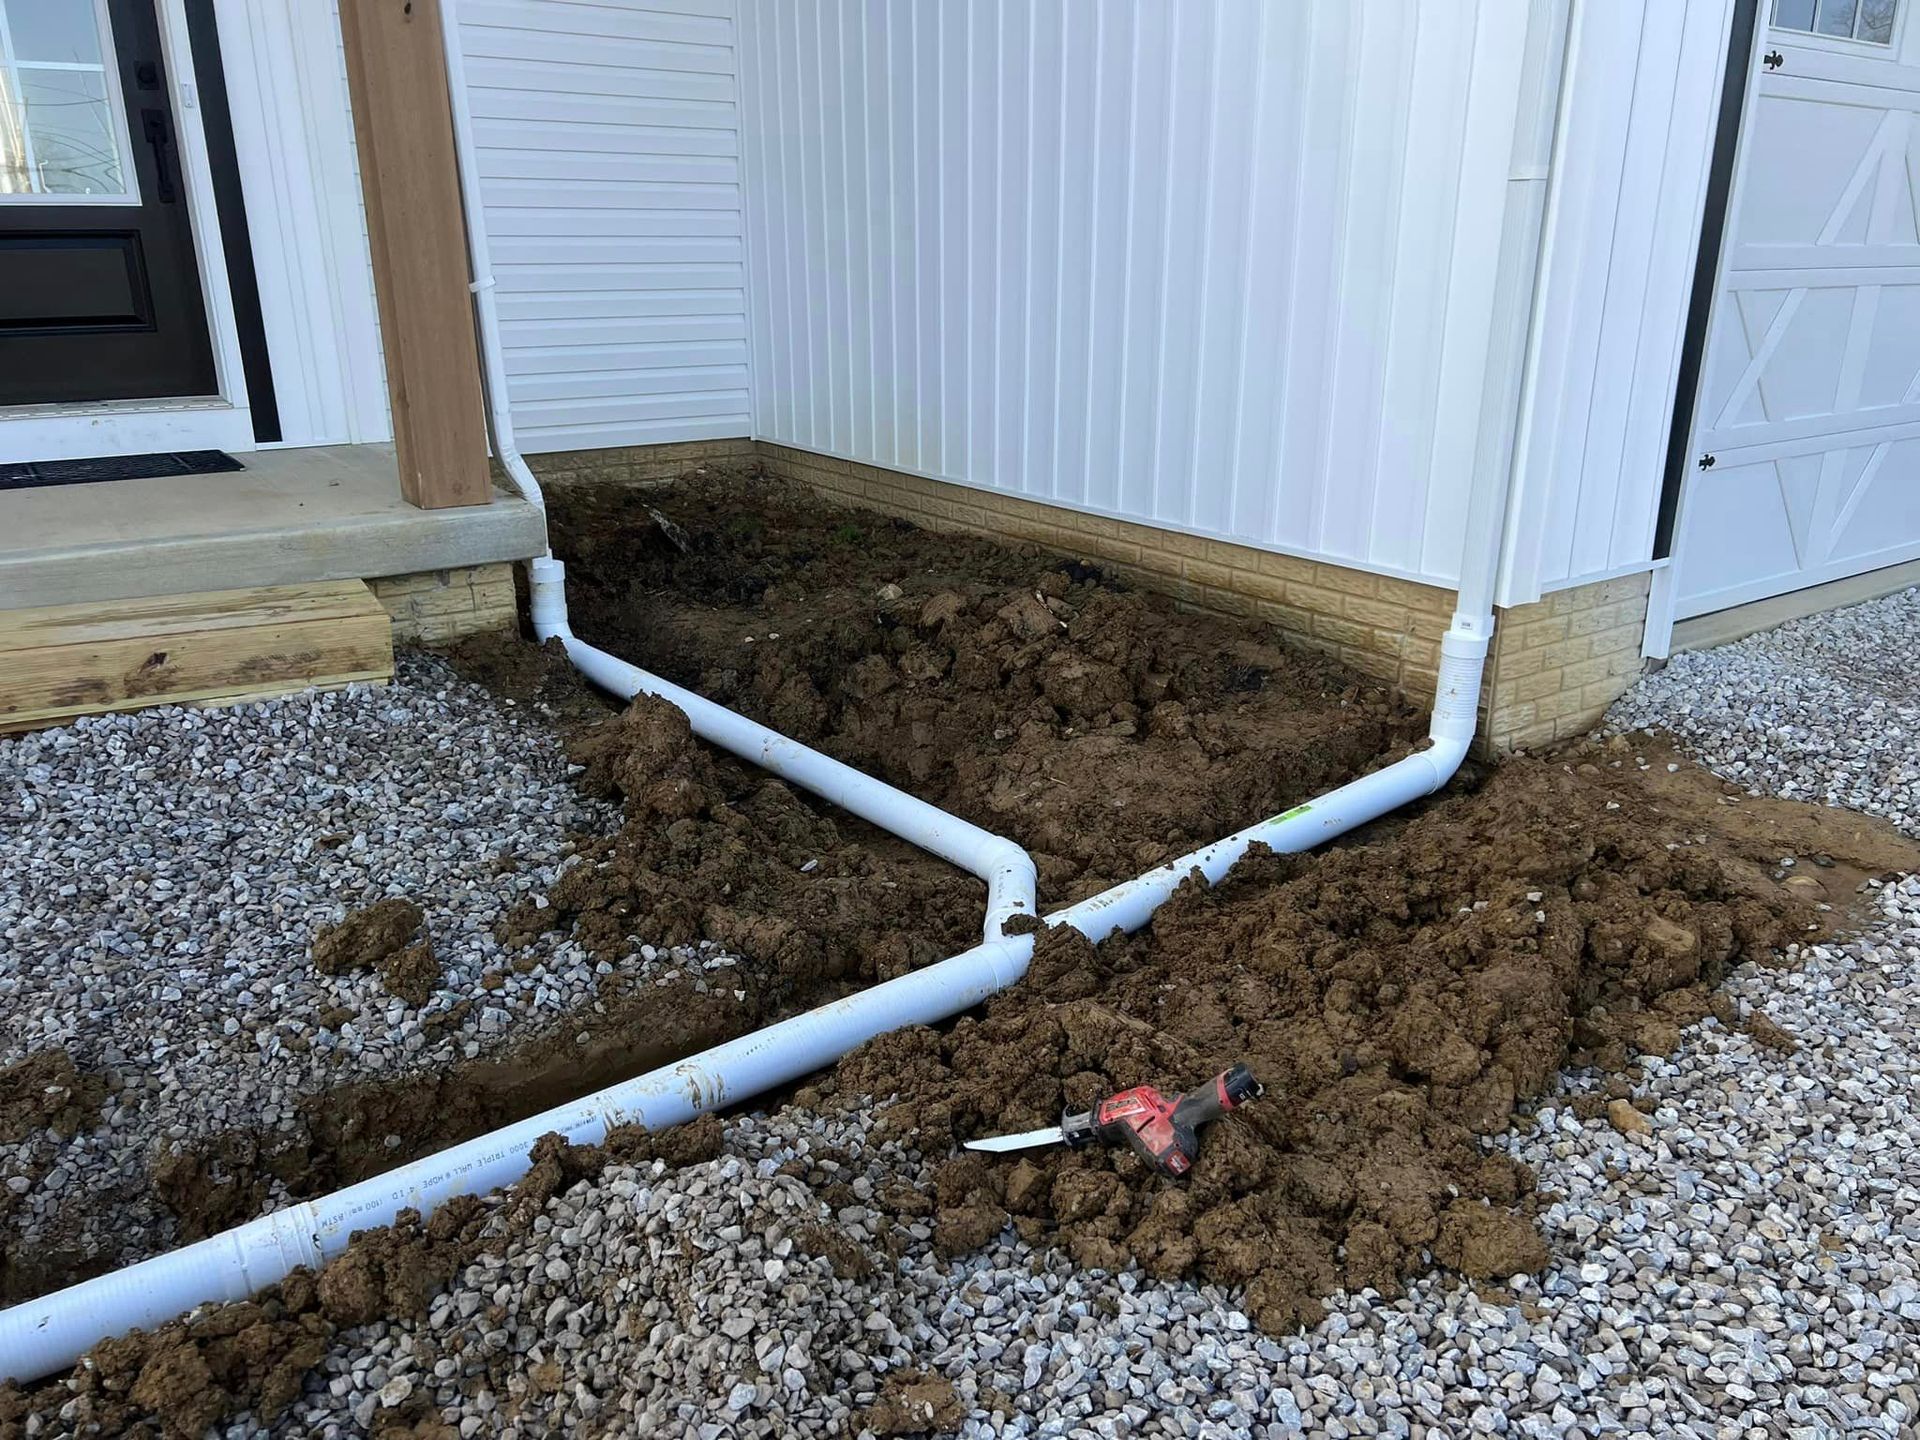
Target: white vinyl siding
x: 608, y: 141
x: 1623, y: 229
x: 1218, y: 267
x: 286, y: 75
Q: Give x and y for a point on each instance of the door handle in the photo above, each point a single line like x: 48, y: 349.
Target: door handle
x: 159, y: 134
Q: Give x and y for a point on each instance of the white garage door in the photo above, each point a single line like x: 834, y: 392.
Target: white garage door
x: 1809, y: 407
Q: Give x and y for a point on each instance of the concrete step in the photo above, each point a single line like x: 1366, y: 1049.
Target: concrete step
x: 291, y: 517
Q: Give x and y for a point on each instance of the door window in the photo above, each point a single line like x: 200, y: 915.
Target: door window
x: 63, y: 132
x: 1867, y: 20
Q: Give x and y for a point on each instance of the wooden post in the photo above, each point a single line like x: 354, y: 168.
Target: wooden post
x: 403, y: 125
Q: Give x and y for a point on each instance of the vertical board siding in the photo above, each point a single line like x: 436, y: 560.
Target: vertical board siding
x: 610, y: 160
x: 293, y: 134
x: 1185, y: 263
x: 1623, y: 226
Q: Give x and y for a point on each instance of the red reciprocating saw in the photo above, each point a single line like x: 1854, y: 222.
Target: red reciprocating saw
x: 1163, y: 1130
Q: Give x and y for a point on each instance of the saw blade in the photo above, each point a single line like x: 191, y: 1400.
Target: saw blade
x: 1049, y: 1136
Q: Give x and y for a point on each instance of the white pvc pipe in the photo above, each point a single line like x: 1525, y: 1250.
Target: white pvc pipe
x: 50, y: 1333
x: 1002, y: 864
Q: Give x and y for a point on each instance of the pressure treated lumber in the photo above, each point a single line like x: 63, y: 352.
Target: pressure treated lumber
x: 403, y: 126
x: 215, y: 647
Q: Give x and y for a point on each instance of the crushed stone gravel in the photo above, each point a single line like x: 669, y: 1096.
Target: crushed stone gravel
x: 162, y: 875
x: 1825, y: 708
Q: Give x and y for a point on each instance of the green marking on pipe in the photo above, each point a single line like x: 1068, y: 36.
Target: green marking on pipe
x: 1296, y: 810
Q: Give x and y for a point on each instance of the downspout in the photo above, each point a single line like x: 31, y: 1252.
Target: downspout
x: 41, y: 1336
x: 493, y: 364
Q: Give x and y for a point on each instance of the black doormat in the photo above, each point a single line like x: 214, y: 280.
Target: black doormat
x: 116, y: 467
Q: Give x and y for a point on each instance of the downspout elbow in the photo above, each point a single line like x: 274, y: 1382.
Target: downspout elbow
x: 1456, y: 696
x: 547, y: 599
x: 1011, y: 885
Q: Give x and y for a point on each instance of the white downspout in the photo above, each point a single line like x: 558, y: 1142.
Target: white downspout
x: 493, y: 364
x: 51, y: 1332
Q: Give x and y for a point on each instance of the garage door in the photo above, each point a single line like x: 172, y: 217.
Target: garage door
x: 1807, y: 427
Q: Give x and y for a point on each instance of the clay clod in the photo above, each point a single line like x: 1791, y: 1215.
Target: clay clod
x: 1399, y: 998
x: 365, y: 937
x: 1627, y: 1120
x: 411, y: 974
x: 48, y: 1091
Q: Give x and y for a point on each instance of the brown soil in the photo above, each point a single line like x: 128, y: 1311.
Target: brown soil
x: 354, y: 1132
x: 192, y: 1374
x: 411, y: 974
x: 47, y: 1091
x: 365, y: 937
x: 1029, y: 692
x: 715, y: 850
x: 914, y: 1402
x: 1400, y: 999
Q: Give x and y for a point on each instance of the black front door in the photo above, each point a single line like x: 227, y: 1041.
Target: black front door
x: 99, y: 289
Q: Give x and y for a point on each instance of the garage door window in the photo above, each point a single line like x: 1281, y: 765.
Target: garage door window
x: 1870, y: 21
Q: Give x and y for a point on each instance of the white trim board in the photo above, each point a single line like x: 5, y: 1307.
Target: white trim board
x: 75, y: 432
x: 1599, y: 577
x: 293, y: 140
x: 1722, y: 627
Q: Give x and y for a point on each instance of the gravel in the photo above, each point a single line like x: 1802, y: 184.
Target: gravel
x: 161, y: 877
x: 1824, y: 709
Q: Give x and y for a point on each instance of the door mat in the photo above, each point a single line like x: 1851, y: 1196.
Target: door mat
x: 116, y: 467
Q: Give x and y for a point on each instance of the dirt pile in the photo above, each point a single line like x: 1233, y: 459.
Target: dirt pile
x: 1030, y: 692
x: 718, y: 851
x: 411, y: 974
x: 1399, y: 999
x: 48, y: 1091
x: 915, y: 1402
x: 365, y: 937
x: 254, y: 1355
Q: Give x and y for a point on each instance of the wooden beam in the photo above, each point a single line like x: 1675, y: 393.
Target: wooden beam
x: 403, y: 125
x: 221, y: 647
